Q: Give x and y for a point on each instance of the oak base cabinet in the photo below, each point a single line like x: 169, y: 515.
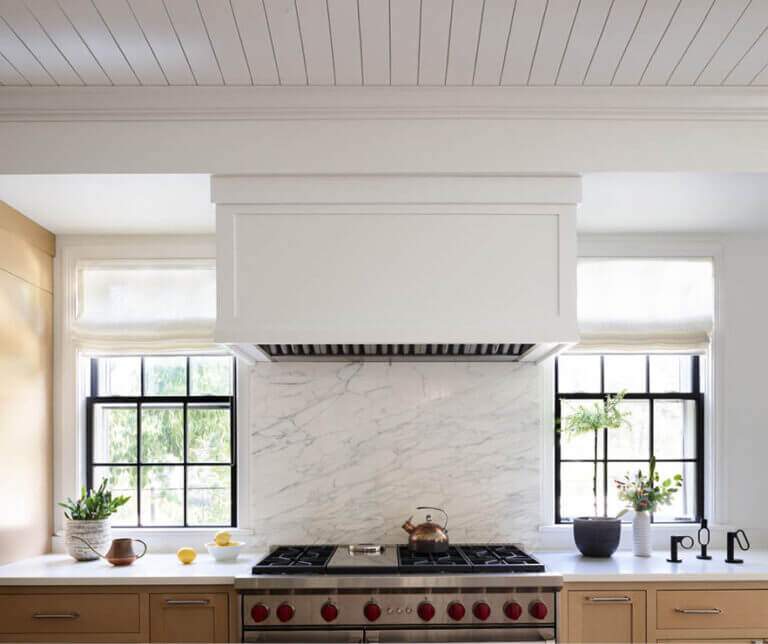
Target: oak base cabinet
x: 188, y: 617
x: 606, y: 616
x: 118, y: 614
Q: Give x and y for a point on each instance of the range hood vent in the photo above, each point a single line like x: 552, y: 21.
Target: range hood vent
x: 394, y: 352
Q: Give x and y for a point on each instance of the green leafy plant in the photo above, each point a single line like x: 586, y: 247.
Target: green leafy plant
x: 605, y: 415
x: 647, y: 493
x: 93, y: 505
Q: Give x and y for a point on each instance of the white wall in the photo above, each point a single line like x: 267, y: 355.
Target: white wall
x: 744, y: 428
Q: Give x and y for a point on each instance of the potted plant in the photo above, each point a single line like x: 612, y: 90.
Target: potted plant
x: 88, y: 518
x: 645, y: 494
x: 598, y: 535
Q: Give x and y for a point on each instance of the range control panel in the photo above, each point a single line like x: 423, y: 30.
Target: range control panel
x: 395, y: 609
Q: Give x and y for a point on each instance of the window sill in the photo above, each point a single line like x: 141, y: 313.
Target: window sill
x: 166, y: 539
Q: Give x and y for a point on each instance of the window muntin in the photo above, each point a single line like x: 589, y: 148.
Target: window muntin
x: 162, y: 428
x: 667, y: 419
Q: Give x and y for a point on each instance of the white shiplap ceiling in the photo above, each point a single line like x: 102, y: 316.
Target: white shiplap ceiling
x: 384, y: 42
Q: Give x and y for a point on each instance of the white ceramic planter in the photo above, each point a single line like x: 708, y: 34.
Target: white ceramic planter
x: 97, y: 533
x: 641, y: 534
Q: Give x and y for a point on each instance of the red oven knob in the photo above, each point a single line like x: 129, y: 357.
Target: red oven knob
x: 482, y: 611
x: 259, y: 613
x: 284, y: 612
x: 372, y: 611
x: 513, y: 610
x: 456, y: 611
x: 426, y: 611
x: 538, y: 610
x: 329, y: 612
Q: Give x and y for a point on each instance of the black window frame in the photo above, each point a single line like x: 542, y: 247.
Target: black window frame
x: 695, y: 395
x: 230, y: 401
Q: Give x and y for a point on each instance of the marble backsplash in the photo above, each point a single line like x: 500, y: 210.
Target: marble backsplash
x: 344, y: 452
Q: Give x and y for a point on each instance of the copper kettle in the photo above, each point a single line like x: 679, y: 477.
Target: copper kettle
x: 120, y: 553
x: 427, y: 537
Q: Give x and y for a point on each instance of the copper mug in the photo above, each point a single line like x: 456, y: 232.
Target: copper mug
x: 120, y: 553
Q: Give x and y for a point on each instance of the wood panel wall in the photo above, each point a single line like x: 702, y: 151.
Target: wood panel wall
x: 26, y: 386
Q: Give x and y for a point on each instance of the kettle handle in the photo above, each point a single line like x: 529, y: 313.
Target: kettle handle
x: 74, y: 536
x: 145, y: 548
x: 429, y: 507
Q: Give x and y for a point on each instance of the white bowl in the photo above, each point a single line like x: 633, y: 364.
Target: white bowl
x: 225, y: 553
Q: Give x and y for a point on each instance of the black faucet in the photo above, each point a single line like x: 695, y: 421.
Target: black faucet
x: 703, y: 537
x: 733, y: 538
x: 674, y: 542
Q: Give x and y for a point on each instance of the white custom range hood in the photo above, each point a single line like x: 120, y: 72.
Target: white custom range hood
x: 389, y: 267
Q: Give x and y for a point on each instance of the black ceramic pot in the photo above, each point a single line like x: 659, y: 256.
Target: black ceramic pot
x: 597, y: 536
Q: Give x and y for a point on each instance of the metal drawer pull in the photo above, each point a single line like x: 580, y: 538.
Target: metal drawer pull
x: 186, y: 602
x: 56, y: 615
x: 698, y: 611
x: 622, y: 598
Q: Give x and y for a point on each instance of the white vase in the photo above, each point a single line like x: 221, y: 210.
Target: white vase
x: 641, y: 534
x: 97, y: 533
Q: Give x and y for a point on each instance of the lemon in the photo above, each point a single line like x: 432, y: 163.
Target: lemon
x: 186, y: 555
x: 222, y: 538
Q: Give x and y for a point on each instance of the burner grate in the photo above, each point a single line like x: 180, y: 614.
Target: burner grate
x: 414, y: 562
x: 500, y: 558
x: 286, y: 560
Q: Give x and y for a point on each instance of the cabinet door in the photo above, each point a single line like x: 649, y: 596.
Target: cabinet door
x: 606, y: 616
x: 188, y: 617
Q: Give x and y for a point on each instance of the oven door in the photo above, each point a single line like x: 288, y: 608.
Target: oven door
x: 308, y: 636
x: 460, y: 635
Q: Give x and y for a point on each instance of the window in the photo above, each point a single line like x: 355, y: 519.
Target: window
x: 162, y: 430
x: 664, y: 396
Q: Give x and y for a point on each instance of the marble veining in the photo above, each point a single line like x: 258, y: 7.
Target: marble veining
x: 344, y: 452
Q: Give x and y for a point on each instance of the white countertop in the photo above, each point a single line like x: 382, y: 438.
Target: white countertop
x: 624, y: 566
x: 156, y: 569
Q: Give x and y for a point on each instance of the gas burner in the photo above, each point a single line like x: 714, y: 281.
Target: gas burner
x: 500, y: 558
x: 415, y: 562
x: 295, y: 560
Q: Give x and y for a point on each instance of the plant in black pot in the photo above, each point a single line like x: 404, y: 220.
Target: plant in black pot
x: 596, y: 536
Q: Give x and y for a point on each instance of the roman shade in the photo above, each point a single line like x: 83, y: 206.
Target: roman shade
x: 645, y: 304
x: 145, y: 303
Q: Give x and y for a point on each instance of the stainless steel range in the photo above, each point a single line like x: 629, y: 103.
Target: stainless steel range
x: 367, y: 593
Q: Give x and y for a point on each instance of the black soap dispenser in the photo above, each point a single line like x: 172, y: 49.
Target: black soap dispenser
x: 703, y: 538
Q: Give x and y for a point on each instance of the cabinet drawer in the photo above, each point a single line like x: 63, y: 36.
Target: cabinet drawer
x: 711, y: 609
x: 71, y: 613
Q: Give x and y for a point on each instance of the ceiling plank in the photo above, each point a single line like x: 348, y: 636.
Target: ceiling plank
x: 651, y: 28
x: 61, y: 32
x: 345, y: 27
x: 286, y: 39
x: 374, y: 40
x: 720, y: 20
x: 257, y: 41
x: 619, y: 29
x: 682, y: 29
x: 494, y: 36
x: 16, y: 53
x: 405, y: 32
x: 753, y: 63
x: 465, y: 34
x: 316, y: 36
x: 28, y: 29
x: 195, y: 42
x: 119, y: 18
x: 587, y: 28
x: 523, y: 40
x: 226, y: 41
x: 739, y: 42
x: 435, y: 33
x: 161, y: 35
x: 91, y: 28
x: 555, y: 33
x: 9, y: 75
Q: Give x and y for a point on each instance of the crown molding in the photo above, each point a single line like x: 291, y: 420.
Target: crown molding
x: 64, y: 104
